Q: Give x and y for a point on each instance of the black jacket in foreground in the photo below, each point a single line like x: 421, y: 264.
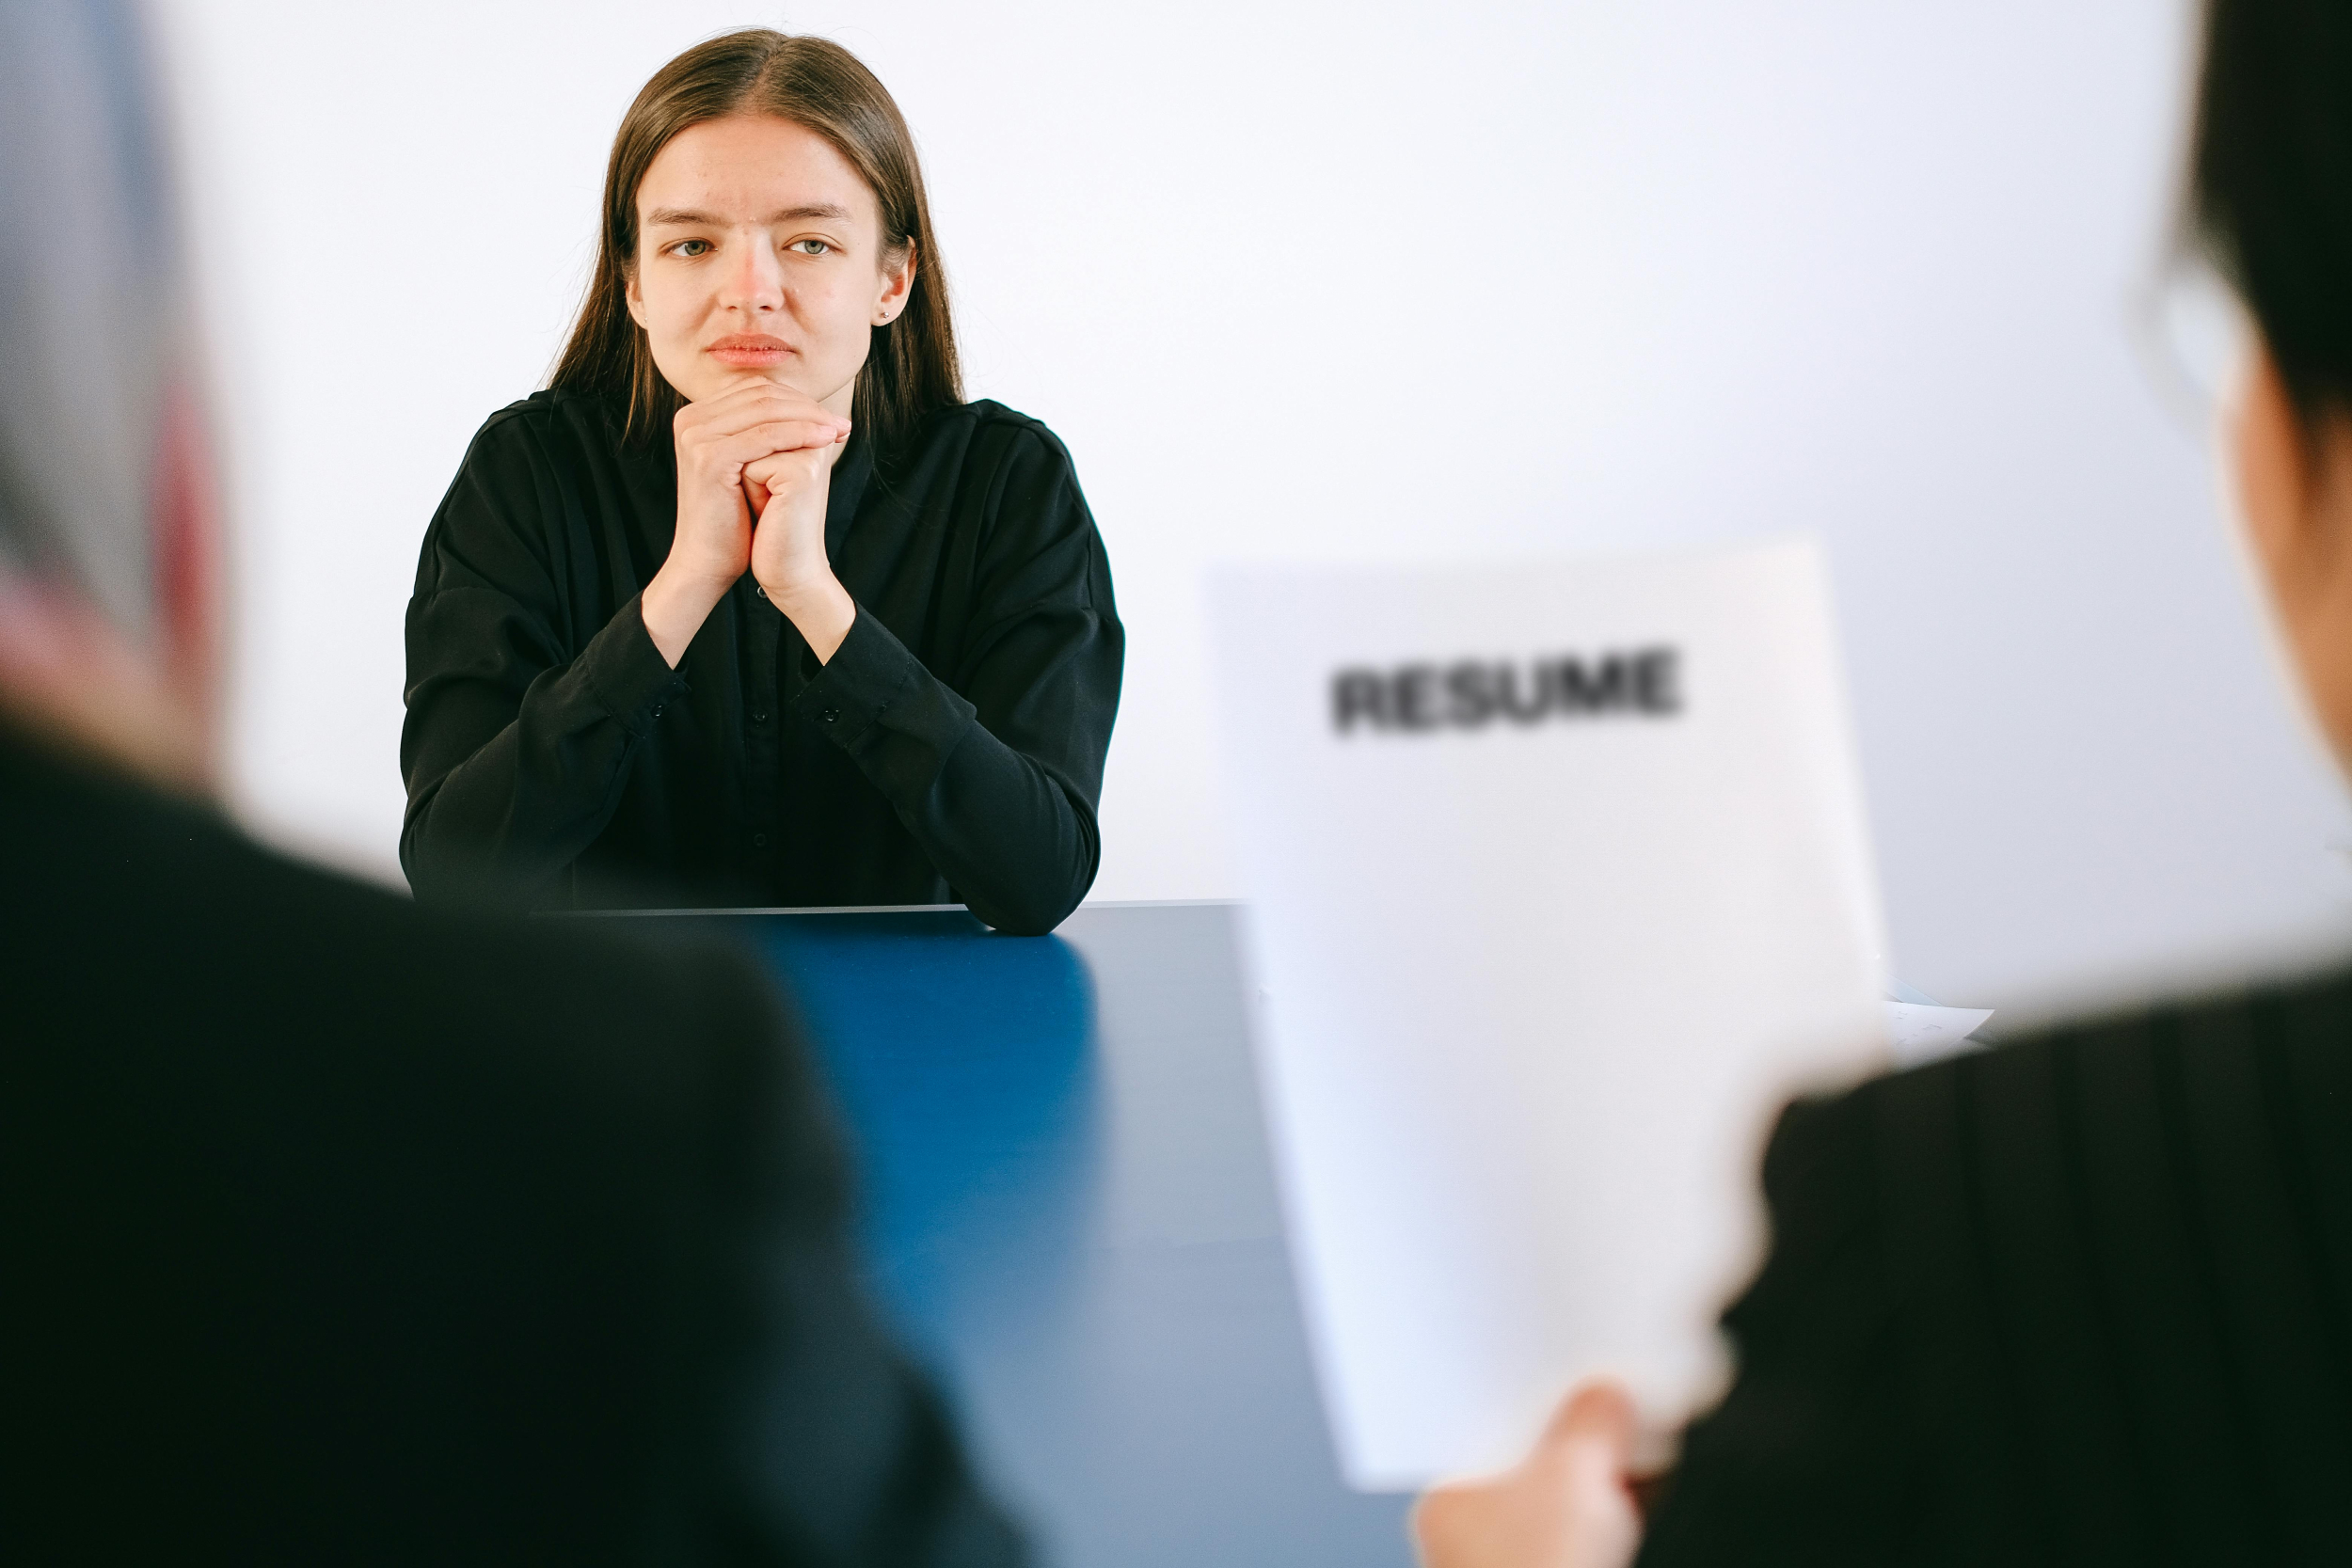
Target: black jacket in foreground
x: 339, y: 1232
x: 951, y: 750
x: 2086, y: 1299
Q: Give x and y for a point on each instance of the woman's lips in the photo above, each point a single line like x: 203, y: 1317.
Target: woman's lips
x: 749, y: 350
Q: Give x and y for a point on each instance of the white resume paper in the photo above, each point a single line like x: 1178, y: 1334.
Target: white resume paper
x: 1558, y: 884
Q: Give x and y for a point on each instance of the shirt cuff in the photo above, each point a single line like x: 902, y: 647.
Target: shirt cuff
x: 626, y: 674
x: 873, y: 682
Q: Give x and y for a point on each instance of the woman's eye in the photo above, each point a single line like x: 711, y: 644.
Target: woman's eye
x: 691, y: 248
x: 811, y: 247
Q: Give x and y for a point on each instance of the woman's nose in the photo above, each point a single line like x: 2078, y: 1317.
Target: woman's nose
x: 756, y: 282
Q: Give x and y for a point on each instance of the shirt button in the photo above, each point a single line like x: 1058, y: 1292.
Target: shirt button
x: 759, y: 719
x: 759, y: 841
x: 830, y: 715
x: 657, y: 710
x: 759, y: 591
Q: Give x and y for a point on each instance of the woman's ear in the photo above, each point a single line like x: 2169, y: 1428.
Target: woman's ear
x: 2273, y: 470
x: 897, y: 280
x: 190, y: 593
x: 2294, y: 484
x: 633, y: 296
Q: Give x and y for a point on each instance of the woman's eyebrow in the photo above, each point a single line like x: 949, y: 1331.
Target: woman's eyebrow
x: 707, y: 220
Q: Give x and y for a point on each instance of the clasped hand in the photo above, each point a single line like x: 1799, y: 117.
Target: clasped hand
x: 754, y: 473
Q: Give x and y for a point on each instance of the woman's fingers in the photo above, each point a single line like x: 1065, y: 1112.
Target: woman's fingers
x: 793, y: 472
x: 763, y: 479
x: 723, y: 458
x: 777, y: 468
x: 1597, y: 1418
x: 737, y: 456
x: 1568, y: 1505
x: 766, y: 440
x: 749, y: 406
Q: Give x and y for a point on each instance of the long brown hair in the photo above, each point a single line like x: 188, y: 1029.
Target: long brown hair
x: 911, y: 369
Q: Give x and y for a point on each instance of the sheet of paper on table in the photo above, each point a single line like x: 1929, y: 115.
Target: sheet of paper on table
x: 1920, y: 1032
x: 1558, y: 886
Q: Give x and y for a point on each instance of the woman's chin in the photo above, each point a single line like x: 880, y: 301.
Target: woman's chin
x: 715, y: 380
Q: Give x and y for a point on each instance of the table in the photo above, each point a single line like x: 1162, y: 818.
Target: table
x: 1071, y: 1211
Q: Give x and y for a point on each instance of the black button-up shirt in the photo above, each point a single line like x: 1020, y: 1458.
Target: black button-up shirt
x: 951, y: 750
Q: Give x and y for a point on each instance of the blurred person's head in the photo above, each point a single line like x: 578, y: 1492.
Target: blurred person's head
x: 108, y: 559
x: 2271, y: 202
x: 766, y: 187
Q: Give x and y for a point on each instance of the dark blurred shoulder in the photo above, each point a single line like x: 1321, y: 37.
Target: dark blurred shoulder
x: 2287, y: 1018
x: 1998, y: 1282
x: 140, y: 916
x: 398, y: 1227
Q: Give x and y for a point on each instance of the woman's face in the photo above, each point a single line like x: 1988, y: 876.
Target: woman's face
x: 759, y: 258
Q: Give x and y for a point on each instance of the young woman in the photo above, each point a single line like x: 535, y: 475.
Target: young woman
x: 749, y: 607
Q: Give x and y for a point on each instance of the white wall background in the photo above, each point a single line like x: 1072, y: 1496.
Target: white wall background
x: 1380, y: 279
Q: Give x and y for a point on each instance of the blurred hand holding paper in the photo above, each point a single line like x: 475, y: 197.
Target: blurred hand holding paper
x: 1558, y: 885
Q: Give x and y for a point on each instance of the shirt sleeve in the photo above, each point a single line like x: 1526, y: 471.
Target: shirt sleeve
x: 823, y: 1444
x: 1807, y: 1459
x: 519, y: 737
x: 995, y: 765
